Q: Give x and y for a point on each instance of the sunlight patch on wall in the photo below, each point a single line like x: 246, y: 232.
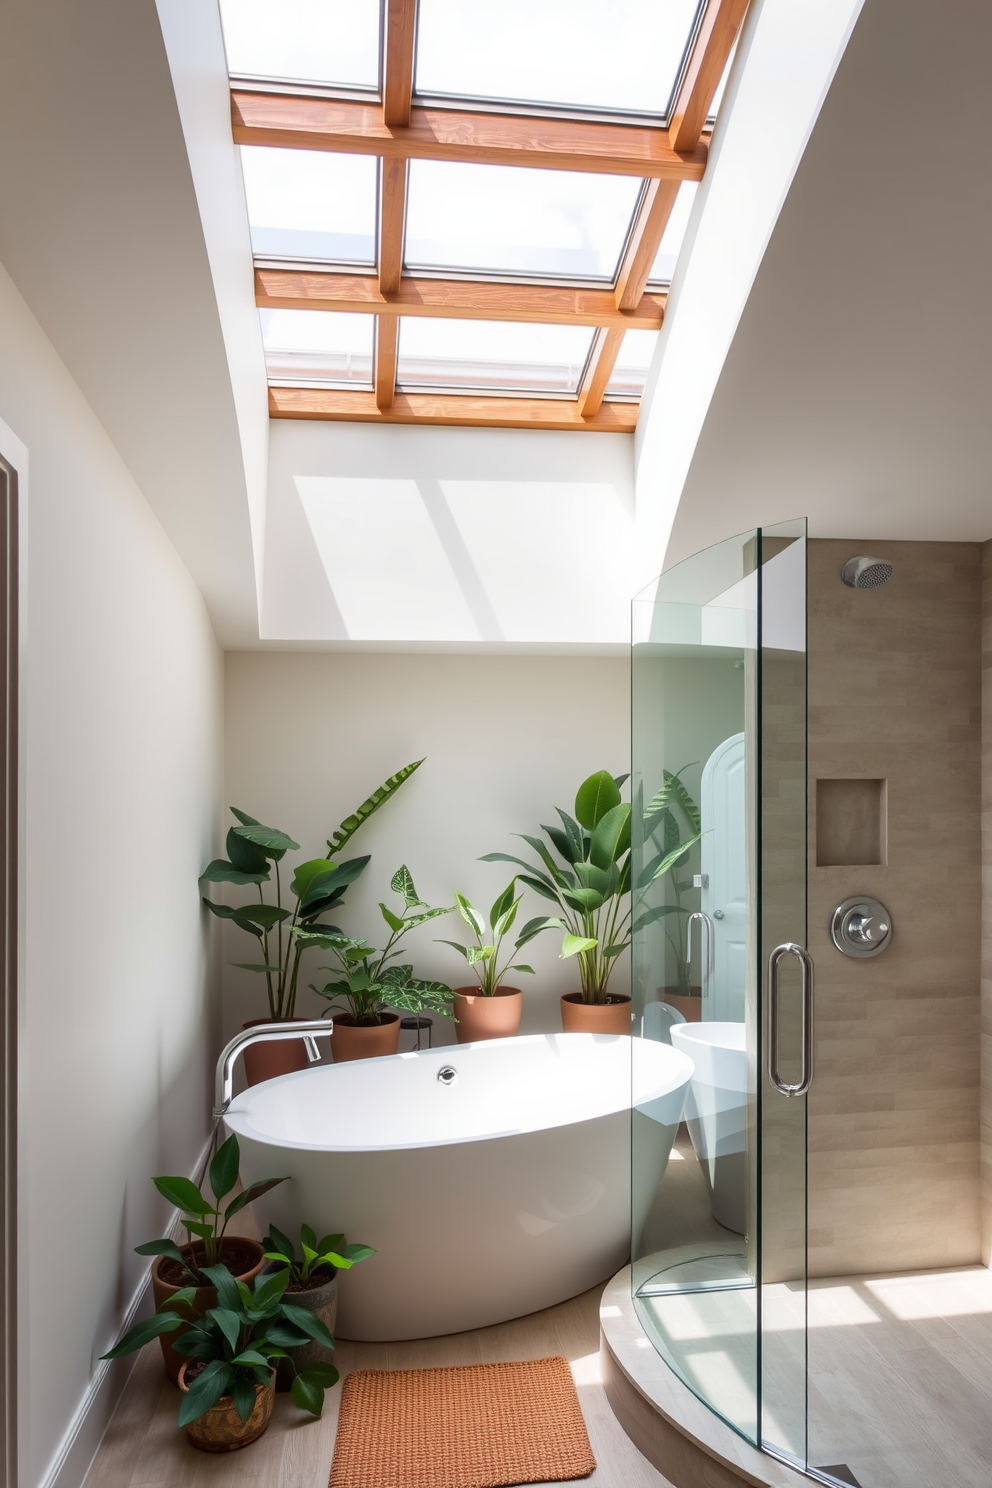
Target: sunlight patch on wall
x: 384, y: 560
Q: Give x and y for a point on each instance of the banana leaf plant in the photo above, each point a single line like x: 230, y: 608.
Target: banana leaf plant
x: 589, y: 881
x: 367, y: 984
x: 483, y: 957
x: 669, y: 813
x: 241, y: 1341
x: 317, y: 888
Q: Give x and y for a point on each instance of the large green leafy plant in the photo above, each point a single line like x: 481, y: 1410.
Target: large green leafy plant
x: 367, y: 983
x: 669, y: 814
x: 241, y: 1341
x: 317, y: 1257
x: 317, y: 888
x: 202, y: 1220
x: 589, y: 881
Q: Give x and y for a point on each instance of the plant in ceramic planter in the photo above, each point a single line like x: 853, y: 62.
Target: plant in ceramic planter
x: 208, y: 1242
x: 490, y: 1010
x: 236, y: 1346
x: 589, y: 882
x: 316, y: 889
x: 368, y: 982
x: 313, y: 1274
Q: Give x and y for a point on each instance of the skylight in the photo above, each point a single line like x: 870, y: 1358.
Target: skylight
x: 303, y: 204
x: 328, y: 42
x: 502, y: 220
x: 465, y: 213
x: 617, y: 56
x: 489, y: 356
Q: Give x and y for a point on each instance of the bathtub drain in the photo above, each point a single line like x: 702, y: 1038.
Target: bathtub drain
x: 447, y: 1075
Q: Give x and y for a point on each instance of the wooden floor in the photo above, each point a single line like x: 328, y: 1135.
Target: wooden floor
x: 144, y: 1448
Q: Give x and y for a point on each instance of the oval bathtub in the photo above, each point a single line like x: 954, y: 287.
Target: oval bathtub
x: 503, y: 1192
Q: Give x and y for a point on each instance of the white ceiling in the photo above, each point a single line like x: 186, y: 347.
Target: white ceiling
x: 857, y: 387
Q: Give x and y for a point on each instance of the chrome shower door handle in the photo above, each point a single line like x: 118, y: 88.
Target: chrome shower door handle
x: 707, y: 966
x: 778, y: 955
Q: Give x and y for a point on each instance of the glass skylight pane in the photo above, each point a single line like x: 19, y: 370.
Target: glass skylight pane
x: 671, y: 244
x: 334, y: 42
x: 492, y: 356
x: 311, y: 205
x: 631, y: 368
x: 505, y: 219
x: 318, y: 346
x: 619, y: 55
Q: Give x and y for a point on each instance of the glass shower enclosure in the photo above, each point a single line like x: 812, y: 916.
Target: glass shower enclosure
x: 719, y: 970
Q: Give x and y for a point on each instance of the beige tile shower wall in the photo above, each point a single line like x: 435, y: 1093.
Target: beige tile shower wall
x: 895, y: 694
x: 985, y: 1193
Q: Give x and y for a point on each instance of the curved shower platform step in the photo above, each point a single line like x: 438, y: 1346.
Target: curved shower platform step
x: 684, y: 1440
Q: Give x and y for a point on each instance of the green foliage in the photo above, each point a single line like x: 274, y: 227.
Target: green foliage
x: 669, y: 813
x: 201, y: 1219
x: 589, y: 880
x: 241, y: 1340
x: 483, y: 957
x: 327, y: 1255
x: 366, y: 983
x: 318, y: 886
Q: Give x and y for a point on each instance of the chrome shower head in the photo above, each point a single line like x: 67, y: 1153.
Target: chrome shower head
x: 866, y: 573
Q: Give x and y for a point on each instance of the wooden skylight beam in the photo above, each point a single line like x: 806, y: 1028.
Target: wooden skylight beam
x: 397, y: 92
x: 455, y: 299
x: 714, y: 43
x: 301, y: 122
x: 448, y: 408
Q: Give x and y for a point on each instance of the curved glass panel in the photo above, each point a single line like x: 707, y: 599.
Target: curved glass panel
x: 719, y: 871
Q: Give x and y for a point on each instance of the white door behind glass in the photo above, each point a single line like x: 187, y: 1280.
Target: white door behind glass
x: 724, y: 892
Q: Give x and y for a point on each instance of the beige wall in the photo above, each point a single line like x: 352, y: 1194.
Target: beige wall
x: 506, y: 739
x: 121, y: 688
x: 894, y: 694
x: 986, y: 993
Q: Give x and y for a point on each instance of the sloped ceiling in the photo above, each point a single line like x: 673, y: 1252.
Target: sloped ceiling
x: 857, y: 388
x: 100, y: 230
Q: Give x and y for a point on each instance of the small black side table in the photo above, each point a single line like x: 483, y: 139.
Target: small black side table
x: 417, y: 1026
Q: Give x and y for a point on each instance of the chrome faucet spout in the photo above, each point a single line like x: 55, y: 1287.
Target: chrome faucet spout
x: 309, y: 1031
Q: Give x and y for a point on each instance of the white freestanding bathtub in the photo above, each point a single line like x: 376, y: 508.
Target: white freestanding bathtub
x: 716, y: 1113
x: 502, y: 1192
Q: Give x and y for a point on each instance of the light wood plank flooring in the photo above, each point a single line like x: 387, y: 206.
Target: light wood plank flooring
x: 144, y: 1448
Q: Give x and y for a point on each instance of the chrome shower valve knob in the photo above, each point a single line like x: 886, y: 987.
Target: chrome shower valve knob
x: 861, y: 927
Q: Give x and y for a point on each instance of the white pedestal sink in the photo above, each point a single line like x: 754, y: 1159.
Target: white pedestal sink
x: 716, y: 1113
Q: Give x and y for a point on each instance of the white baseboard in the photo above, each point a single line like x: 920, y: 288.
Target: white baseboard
x: 88, y: 1426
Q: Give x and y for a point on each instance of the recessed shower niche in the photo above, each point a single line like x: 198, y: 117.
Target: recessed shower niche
x: 851, y: 827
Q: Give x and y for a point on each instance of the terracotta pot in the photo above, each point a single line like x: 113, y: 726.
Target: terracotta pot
x: 691, y: 1008
x: 221, y: 1429
x: 612, y: 1016
x: 351, y: 1040
x: 205, y: 1296
x: 323, y: 1302
x: 275, y: 1056
x: 478, y: 1017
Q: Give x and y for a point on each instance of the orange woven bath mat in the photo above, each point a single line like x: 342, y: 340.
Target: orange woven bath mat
x: 477, y: 1426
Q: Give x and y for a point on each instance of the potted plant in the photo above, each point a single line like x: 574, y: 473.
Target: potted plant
x: 367, y: 985
x: 669, y: 813
x: 185, y: 1270
x: 231, y: 1353
x: 313, y: 1285
x: 317, y: 888
x: 490, y: 1010
x: 590, y: 885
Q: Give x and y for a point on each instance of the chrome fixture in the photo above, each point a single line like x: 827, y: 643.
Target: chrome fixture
x: 860, y: 927
x: 866, y: 573
x: 263, y: 1033
x: 706, y: 951
x: 778, y: 955
x: 447, y: 1075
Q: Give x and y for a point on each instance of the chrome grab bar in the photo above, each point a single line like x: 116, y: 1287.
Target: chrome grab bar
x: 309, y: 1031
x: 707, y: 966
x: 790, y: 948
